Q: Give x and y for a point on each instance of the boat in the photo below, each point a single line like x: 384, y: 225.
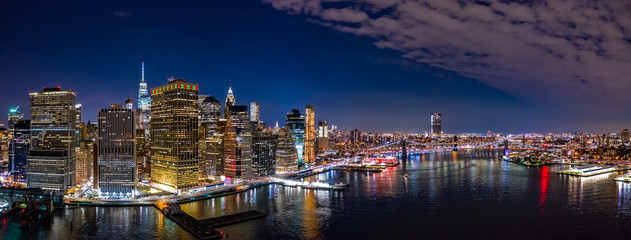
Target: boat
x: 72, y: 205
x: 624, y: 178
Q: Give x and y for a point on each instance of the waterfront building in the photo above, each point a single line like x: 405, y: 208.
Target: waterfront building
x: 117, y: 152
x: 436, y: 130
x: 85, y: 156
x: 310, y: 133
x: 241, y: 165
x: 296, y: 123
x: 286, y: 152
x: 19, y: 147
x: 264, y: 153
x: 51, y: 159
x: 323, y: 136
x: 144, y: 100
x: 254, y: 112
x: 174, y: 136
x: 5, y: 139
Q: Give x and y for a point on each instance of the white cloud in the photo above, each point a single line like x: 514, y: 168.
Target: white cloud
x: 548, y: 50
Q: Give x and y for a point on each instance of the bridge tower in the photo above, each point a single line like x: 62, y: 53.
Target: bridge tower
x: 506, y: 147
x: 404, y: 152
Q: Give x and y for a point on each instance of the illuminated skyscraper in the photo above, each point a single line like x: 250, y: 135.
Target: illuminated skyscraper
x: 286, y: 154
x: 254, y: 112
x: 436, y: 125
x: 210, y: 139
x: 18, y: 140
x: 85, y: 156
x: 210, y: 110
x: 241, y: 165
x: 296, y: 123
x: 263, y: 153
x: 310, y: 133
x: 14, y: 116
x: 323, y: 136
x: 625, y: 137
x: 117, y: 152
x: 19, y: 147
x: 230, y: 101
x: 144, y: 100
x: 174, y: 136
x: 51, y: 159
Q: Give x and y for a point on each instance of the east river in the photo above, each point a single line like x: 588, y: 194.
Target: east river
x: 449, y: 195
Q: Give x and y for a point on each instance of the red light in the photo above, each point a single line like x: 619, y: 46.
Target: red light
x: 221, y: 232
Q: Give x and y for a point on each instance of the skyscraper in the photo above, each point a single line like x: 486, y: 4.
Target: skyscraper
x: 625, y: 137
x: 144, y: 100
x: 436, y: 126
x: 310, y: 132
x: 296, y: 123
x: 254, y: 112
x: 17, y: 139
x: 263, y: 153
x: 174, y: 136
x: 117, y: 152
x: 286, y: 154
x: 210, y: 139
x: 230, y: 101
x: 51, y: 159
x: 19, y: 147
x: 241, y: 165
x: 210, y: 113
x: 14, y: 116
x: 85, y: 155
x: 323, y: 136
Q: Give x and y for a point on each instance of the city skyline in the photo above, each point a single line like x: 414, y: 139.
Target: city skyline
x: 304, y: 57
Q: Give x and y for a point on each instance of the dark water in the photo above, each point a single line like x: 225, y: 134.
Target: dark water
x: 464, y: 195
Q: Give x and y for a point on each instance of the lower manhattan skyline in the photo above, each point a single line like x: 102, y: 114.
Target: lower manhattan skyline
x: 258, y: 50
x: 315, y: 119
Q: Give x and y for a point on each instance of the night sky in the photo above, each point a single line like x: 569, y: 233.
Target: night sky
x: 501, y: 66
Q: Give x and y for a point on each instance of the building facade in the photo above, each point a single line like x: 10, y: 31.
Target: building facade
x: 51, y: 159
x: 144, y: 99
x: 286, y: 154
x: 117, y: 152
x: 174, y: 136
x: 436, y: 129
x: 19, y: 147
x: 241, y: 165
x: 310, y: 135
x: 296, y: 123
x: 264, y: 153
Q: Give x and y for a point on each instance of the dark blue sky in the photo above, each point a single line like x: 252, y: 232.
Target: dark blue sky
x: 281, y: 60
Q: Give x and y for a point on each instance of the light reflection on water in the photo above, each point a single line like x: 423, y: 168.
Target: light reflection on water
x: 453, y: 195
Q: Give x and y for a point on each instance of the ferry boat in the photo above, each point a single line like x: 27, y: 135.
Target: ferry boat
x: 387, y: 161
x: 624, y: 178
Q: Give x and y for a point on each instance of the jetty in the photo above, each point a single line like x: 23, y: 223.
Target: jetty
x: 203, y: 229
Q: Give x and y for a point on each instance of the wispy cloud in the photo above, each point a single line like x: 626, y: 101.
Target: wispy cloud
x: 547, y: 50
x: 122, y: 14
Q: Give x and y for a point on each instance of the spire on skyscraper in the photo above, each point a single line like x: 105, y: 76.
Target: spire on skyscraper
x: 142, y: 79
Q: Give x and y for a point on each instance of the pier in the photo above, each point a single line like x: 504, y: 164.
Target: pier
x: 588, y: 171
x: 204, y: 229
